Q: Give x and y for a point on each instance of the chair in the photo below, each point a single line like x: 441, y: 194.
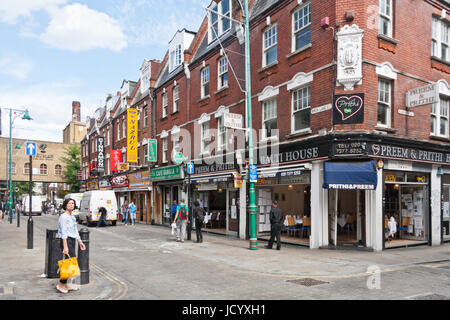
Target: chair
x: 306, y: 225
x: 291, y: 225
x: 211, y: 223
x: 404, y: 225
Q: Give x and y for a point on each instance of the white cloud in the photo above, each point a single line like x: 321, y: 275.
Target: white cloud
x: 11, y: 10
x: 15, y: 66
x: 78, y: 28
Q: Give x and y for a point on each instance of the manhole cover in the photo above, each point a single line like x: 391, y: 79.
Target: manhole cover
x: 431, y: 297
x: 307, y: 282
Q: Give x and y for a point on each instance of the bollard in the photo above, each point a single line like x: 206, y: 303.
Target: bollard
x: 53, y: 253
x: 83, y: 257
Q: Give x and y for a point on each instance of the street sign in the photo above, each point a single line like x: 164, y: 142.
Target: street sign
x: 253, y: 173
x: 30, y: 148
x: 233, y: 120
x: 178, y: 157
x: 152, y: 150
x: 190, y: 168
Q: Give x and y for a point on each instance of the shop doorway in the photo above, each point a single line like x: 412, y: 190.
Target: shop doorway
x: 446, y: 211
x: 170, y: 194
x: 346, y: 213
x: 233, y: 212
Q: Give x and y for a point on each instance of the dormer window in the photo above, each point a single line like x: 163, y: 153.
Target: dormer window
x: 175, y: 57
x: 219, y: 24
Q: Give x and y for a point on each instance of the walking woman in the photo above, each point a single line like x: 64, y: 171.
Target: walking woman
x: 68, y: 233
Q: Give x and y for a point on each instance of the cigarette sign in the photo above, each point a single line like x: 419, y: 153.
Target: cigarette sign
x: 422, y: 96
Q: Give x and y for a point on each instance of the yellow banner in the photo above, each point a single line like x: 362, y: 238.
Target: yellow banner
x: 132, y: 134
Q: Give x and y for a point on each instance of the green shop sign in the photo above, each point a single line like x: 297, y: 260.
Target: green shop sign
x: 167, y: 173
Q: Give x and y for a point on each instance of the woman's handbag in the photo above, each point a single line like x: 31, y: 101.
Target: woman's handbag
x: 68, y: 268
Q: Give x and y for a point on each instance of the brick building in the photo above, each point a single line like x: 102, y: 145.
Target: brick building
x: 350, y: 107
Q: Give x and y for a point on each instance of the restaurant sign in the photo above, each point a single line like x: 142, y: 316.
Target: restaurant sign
x: 404, y: 153
x: 119, y: 181
x: 139, y: 179
x: 167, y: 173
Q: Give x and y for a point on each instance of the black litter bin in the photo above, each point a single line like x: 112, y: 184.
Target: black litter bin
x: 53, y: 253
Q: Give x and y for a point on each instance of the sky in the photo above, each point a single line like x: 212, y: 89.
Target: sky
x: 54, y: 52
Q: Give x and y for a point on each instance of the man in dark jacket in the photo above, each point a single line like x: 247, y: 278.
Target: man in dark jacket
x: 276, y: 216
x: 198, y: 216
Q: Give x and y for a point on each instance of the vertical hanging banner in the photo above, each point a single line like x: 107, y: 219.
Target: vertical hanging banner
x: 101, y: 154
x: 152, y: 150
x: 132, y: 131
x: 115, y: 157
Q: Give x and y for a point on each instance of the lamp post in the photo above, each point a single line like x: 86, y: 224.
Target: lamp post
x: 26, y: 116
x: 252, y: 208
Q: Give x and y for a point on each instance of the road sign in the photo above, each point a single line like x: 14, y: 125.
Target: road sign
x: 253, y: 173
x: 190, y: 168
x: 30, y: 148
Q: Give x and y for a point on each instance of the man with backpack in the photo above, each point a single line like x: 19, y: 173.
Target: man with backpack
x: 181, y: 220
x: 199, y: 216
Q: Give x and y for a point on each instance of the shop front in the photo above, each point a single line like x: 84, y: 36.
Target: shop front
x: 212, y: 185
x: 140, y: 193
x: 119, y: 185
x: 168, y: 182
x: 104, y: 184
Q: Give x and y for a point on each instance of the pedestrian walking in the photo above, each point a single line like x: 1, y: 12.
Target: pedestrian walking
x: 181, y: 220
x: 68, y: 233
x: 174, y: 209
x: 124, y: 210
x: 102, y: 220
x: 2, y: 207
x: 276, y: 216
x: 198, y: 215
x: 132, y: 212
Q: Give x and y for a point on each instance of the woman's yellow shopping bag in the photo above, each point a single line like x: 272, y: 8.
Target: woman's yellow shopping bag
x: 68, y: 268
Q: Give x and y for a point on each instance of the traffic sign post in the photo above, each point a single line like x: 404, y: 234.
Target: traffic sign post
x: 30, y: 149
x: 190, y: 168
x: 253, y: 173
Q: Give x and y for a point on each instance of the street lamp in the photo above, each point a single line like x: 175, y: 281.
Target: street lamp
x: 252, y: 208
x: 26, y: 116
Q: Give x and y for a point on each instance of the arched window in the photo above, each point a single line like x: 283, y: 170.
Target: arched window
x: 26, y: 168
x: 43, y: 169
x: 13, y: 168
x: 58, y: 170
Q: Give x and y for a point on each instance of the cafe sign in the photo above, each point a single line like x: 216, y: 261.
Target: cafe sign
x: 167, y: 173
x: 421, y: 96
x: 139, y: 179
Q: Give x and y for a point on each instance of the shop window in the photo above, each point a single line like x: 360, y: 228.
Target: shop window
x: 270, y: 46
x: 384, y: 102
x: 301, y: 23
x: 386, y: 17
x: 301, y: 109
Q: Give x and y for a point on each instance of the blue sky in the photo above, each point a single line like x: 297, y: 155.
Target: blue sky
x: 58, y: 51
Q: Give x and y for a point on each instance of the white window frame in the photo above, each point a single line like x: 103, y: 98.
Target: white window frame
x: 165, y: 149
x: 302, y: 107
x: 221, y: 134
x: 118, y: 130
x: 440, y: 112
x: 270, y: 41
x: 296, y: 29
x: 265, y: 104
x: 176, y: 97
x: 145, y: 116
x: 440, y: 39
x: 384, y: 15
x: 124, y: 128
x: 165, y: 105
x: 204, y: 82
x: 220, y: 22
x: 205, y: 137
x: 222, y: 70
x: 387, y: 103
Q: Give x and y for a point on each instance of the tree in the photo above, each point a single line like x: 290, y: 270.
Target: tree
x: 72, y: 164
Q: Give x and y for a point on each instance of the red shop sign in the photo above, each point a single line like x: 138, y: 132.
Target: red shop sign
x: 119, y: 181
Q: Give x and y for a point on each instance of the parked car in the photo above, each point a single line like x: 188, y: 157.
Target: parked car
x: 92, y: 201
x: 77, y: 197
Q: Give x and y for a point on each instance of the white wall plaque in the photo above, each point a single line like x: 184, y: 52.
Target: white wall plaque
x: 349, y: 61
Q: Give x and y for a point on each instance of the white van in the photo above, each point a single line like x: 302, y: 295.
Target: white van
x: 77, y: 197
x: 92, y: 201
x: 36, y: 205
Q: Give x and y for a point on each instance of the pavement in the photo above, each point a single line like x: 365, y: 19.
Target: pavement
x: 22, y: 270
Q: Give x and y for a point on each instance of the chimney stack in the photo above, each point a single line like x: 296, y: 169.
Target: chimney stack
x: 76, y: 111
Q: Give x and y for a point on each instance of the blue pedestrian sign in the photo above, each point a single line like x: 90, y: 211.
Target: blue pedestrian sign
x: 190, y: 168
x: 31, y: 148
x: 253, y: 173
